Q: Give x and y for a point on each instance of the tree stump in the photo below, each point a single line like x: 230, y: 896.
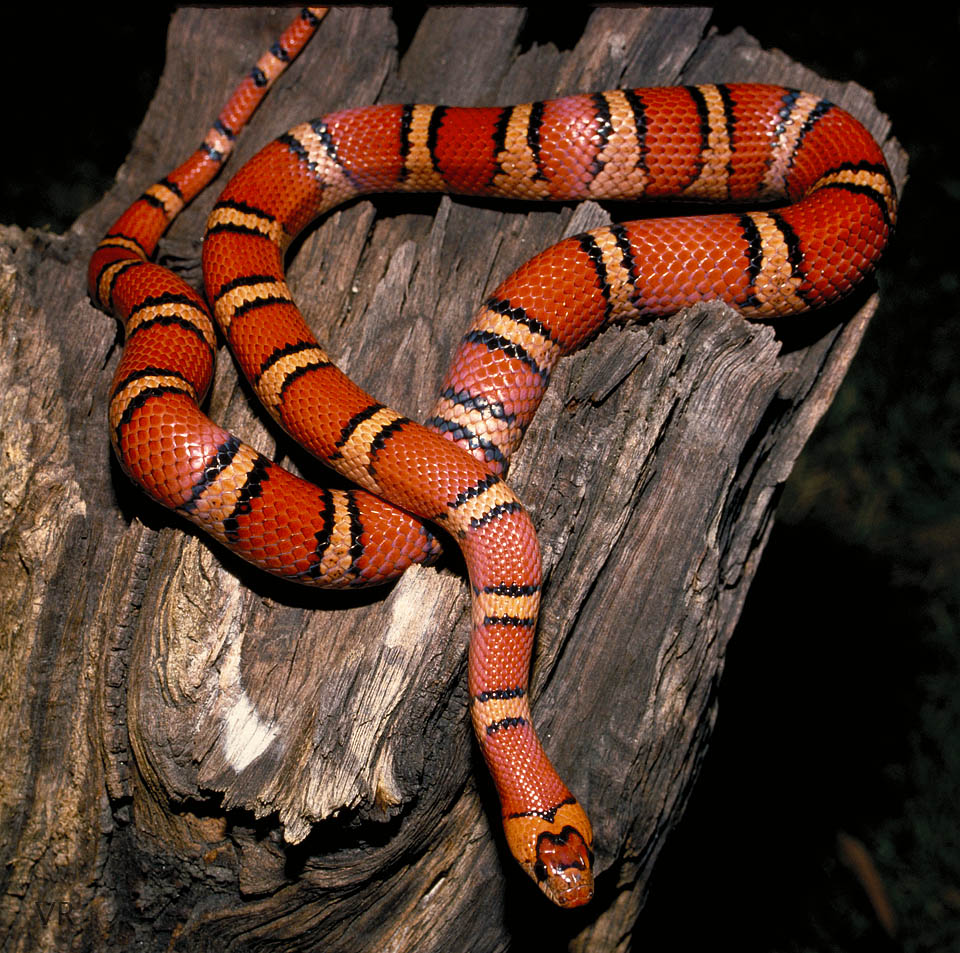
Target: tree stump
x: 198, y: 757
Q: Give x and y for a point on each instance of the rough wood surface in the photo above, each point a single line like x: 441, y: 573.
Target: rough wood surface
x: 197, y: 757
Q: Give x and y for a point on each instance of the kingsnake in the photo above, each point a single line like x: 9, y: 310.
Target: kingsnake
x: 713, y: 142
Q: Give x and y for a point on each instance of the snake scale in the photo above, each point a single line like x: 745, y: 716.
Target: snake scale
x: 718, y: 143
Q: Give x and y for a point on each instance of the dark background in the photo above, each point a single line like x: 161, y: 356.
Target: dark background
x: 840, y: 704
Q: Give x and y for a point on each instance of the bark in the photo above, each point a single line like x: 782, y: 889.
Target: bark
x: 198, y: 757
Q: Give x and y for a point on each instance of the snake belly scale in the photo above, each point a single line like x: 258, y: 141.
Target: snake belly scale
x: 733, y: 142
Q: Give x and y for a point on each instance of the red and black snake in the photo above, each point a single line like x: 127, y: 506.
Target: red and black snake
x: 712, y: 142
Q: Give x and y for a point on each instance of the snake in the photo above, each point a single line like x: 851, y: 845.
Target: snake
x: 828, y: 207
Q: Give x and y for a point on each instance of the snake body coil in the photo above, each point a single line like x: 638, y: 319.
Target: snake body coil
x: 714, y: 142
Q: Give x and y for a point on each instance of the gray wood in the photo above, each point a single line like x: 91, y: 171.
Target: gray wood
x: 198, y: 757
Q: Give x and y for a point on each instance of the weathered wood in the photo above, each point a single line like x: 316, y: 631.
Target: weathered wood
x: 200, y: 758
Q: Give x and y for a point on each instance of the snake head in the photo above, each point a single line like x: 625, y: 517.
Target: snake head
x: 555, y: 849
x: 564, y: 867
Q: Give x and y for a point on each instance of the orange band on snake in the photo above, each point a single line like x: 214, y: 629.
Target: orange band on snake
x: 711, y: 142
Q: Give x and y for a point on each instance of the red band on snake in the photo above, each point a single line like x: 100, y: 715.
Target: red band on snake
x: 735, y: 142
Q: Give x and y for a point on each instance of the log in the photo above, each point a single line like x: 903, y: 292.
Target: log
x: 199, y: 757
